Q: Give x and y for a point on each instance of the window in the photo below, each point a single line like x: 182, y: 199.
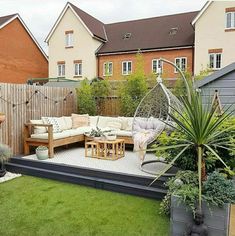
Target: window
x: 230, y: 20
x: 108, y: 69
x: 61, y: 69
x: 78, y: 69
x: 126, y: 67
x: 181, y: 62
x: 156, y: 66
x: 215, y: 60
x: 68, y: 38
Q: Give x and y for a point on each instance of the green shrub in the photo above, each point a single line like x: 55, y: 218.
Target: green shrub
x: 86, y: 102
x: 134, y: 89
x: 219, y: 190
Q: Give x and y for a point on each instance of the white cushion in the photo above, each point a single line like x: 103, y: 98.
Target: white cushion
x: 123, y: 133
x: 53, y: 121
x: 93, y: 120
x: 114, y: 124
x: 104, y: 120
x: 63, y: 134
x: 126, y: 123
x: 38, y: 129
x: 68, y: 122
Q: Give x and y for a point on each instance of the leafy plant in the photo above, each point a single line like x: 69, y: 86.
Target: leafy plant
x: 200, y: 128
x: 184, y: 185
x: 86, y: 102
x: 219, y: 190
x: 132, y: 91
x: 96, y: 132
x: 5, y: 153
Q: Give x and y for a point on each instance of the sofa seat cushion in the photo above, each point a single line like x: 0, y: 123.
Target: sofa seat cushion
x: 79, y: 131
x: 60, y: 135
x: 124, y: 133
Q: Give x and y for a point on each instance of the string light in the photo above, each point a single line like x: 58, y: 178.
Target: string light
x: 31, y: 97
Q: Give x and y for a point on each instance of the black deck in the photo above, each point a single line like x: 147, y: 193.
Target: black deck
x: 112, y: 181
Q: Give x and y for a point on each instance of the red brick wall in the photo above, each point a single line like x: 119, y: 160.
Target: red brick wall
x: 20, y: 58
x: 168, y: 70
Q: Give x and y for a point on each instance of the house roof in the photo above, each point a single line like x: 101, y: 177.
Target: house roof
x: 93, y: 26
x: 153, y: 33
x: 216, y: 75
x: 5, y: 20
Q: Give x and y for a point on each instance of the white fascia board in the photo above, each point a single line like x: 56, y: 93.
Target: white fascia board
x: 208, y: 3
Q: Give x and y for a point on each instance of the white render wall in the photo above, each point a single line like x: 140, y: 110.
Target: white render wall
x: 210, y: 34
x: 84, y: 48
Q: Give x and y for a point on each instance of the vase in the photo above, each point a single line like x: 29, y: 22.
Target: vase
x: 42, y: 154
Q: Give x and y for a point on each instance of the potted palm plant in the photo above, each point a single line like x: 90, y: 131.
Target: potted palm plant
x: 200, y: 130
x: 5, y: 155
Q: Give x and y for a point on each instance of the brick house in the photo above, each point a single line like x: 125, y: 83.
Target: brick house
x: 21, y: 57
x: 80, y: 46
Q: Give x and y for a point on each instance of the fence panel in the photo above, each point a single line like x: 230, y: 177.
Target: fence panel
x: 22, y: 103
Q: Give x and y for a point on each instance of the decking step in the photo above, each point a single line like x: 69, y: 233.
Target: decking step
x: 141, y: 180
x: 101, y: 183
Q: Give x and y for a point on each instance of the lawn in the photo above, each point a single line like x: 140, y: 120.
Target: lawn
x: 39, y: 207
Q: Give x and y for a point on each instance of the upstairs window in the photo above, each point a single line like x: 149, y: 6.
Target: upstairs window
x: 77, y: 68
x: 61, y: 69
x: 126, y: 67
x: 108, y: 69
x: 215, y: 60
x: 230, y: 19
x: 69, y: 39
x: 181, y: 63
x: 156, y: 66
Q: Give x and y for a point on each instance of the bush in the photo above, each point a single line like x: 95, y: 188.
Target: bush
x: 86, y: 102
x: 219, y: 190
x: 134, y: 89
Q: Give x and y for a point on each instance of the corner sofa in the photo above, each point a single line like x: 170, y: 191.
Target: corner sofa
x: 58, y: 131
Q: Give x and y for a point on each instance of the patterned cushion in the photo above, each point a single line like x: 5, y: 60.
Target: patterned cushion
x: 53, y: 121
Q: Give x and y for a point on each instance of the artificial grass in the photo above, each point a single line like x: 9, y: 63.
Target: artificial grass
x: 40, y: 207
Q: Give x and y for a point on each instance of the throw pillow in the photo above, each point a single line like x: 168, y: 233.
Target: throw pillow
x: 114, y: 124
x: 68, y: 121
x: 80, y: 120
x: 52, y: 121
x: 38, y: 129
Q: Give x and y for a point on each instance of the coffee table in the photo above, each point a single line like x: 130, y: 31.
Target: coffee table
x: 105, y: 149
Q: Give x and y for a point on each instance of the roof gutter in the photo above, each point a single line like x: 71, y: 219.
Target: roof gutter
x: 143, y: 50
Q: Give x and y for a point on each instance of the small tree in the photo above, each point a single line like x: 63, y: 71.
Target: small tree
x: 86, y: 102
x: 100, y: 90
x: 132, y: 91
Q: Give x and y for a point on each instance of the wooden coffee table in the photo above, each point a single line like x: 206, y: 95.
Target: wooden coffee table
x: 105, y: 149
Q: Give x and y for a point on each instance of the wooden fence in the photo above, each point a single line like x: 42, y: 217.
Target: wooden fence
x: 22, y: 103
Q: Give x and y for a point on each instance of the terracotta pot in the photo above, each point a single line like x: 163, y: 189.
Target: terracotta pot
x: 2, y: 118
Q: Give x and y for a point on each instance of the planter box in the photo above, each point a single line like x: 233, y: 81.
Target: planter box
x: 216, y: 219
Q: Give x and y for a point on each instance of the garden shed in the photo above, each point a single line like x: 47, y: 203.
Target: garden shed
x: 222, y: 83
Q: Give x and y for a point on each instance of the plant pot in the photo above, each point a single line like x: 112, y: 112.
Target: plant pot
x: 42, y: 154
x: 111, y: 137
x: 2, y: 118
x: 216, y: 219
x: 2, y: 170
x: 97, y: 138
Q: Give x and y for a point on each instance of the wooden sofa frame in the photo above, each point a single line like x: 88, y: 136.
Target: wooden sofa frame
x: 50, y: 142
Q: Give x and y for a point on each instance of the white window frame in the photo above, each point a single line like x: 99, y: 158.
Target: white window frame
x: 69, y: 40
x: 106, y: 70
x: 79, y: 69
x: 126, y: 72
x: 232, y: 20
x: 159, y: 66
x: 214, y: 61
x: 180, y: 66
x: 61, y: 70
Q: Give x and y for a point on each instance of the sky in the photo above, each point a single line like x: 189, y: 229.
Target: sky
x: 40, y: 15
